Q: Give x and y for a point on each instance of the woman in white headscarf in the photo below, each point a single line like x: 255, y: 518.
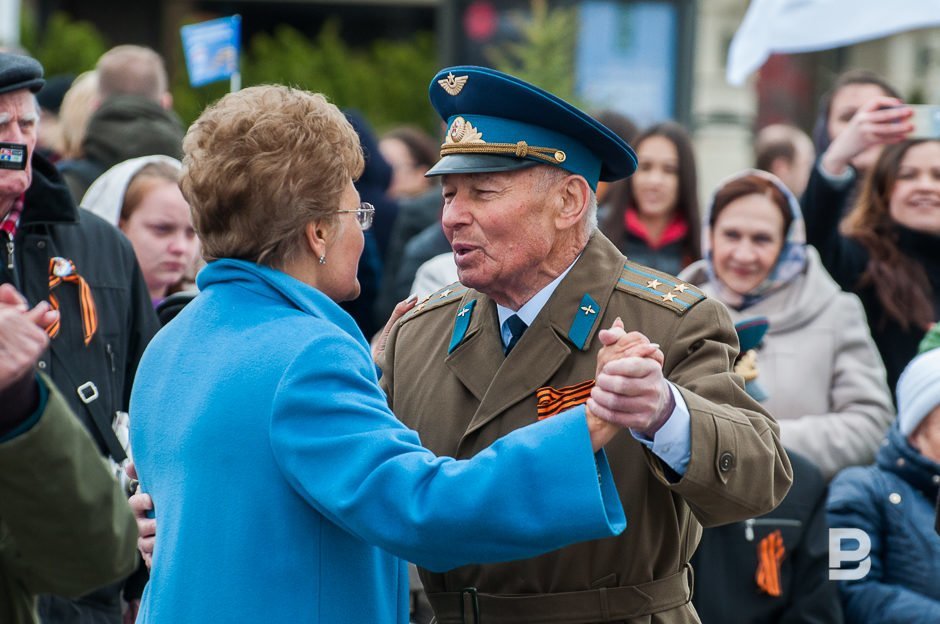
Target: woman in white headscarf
x: 141, y: 196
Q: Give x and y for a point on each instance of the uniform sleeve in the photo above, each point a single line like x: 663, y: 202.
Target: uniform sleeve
x: 70, y: 527
x: 860, y: 402
x: 738, y: 469
x: 537, y: 489
x: 673, y: 442
x: 854, y: 503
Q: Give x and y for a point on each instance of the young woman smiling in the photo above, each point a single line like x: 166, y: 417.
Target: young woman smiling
x: 888, y: 250
x: 653, y: 216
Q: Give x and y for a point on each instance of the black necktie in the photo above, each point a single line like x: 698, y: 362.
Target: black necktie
x: 516, y: 328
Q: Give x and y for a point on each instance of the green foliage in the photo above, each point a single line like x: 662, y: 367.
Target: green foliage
x: 545, y: 55
x: 66, y: 45
x: 386, y: 82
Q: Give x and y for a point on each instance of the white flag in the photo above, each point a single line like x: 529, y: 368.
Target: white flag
x: 788, y: 26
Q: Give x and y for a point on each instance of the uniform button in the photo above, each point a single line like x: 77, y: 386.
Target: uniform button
x: 41, y: 365
x: 895, y: 498
x: 901, y: 462
x: 41, y: 244
x: 725, y: 462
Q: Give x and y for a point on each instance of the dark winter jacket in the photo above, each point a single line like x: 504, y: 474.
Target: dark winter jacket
x: 893, y: 502
x: 728, y: 558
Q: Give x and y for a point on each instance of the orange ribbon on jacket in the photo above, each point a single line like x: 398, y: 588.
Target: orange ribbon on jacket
x: 63, y: 270
x: 770, y: 553
x: 551, y: 400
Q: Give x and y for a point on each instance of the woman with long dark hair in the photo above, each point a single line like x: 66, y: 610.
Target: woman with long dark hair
x: 888, y: 250
x: 653, y: 216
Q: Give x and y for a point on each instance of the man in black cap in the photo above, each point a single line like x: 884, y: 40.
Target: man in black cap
x: 516, y: 341
x: 82, y: 265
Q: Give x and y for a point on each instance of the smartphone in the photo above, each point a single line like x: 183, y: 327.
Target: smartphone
x: 926, y: 121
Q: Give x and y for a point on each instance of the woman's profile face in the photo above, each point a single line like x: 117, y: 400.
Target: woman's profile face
x: 915, y: 198
x: 746, y: 241
x: 344, y: 247
x: 161, y: 231
x: 656, y: 181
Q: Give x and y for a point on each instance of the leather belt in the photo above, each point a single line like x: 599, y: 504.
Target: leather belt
x: 607, y: 604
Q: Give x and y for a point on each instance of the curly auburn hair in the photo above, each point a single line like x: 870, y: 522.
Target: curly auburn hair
x: 262, y: 163
x: 900, y: 282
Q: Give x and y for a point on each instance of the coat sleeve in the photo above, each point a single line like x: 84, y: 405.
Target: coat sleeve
x: 823, y: 206
x: 738, y: 468
x: 340, y: 447
x: 70, y: 527
x: 853, y: 502
x: 859, y: 401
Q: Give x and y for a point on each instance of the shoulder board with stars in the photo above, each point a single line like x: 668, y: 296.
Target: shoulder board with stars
x: 659, y: 287
x: 449, y: 294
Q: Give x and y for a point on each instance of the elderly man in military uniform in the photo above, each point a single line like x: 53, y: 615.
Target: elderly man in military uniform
x: 517, y: 340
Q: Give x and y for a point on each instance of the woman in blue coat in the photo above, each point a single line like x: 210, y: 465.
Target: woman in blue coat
x: 893, y: 503
x: 284, y: 488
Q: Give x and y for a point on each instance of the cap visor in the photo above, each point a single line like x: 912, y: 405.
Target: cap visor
x: 478, y: 163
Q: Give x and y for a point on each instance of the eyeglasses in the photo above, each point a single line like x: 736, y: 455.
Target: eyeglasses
x: 364, y: 214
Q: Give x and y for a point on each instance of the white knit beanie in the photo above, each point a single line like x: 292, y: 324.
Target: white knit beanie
x: 918, y: 390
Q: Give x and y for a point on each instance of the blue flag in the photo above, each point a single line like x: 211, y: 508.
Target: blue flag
x: 211, y: 49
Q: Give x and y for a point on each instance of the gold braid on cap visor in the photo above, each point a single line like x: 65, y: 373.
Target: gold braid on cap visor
x: 520, y: 149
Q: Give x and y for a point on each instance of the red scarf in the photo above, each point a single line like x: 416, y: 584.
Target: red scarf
x: 674, y: 232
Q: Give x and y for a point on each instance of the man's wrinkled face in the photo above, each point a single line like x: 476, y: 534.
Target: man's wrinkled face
x: 19, y: 123
x: 499, y: 227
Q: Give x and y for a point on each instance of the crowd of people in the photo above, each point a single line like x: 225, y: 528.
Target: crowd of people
x: 520, y: 362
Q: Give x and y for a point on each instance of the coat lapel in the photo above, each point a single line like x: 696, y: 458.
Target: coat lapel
x: 499, y: 382
x: 479, y: 355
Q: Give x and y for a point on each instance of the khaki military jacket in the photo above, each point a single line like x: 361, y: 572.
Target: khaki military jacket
x: 446, y: 376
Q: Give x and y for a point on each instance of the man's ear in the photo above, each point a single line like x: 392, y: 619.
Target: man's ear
x: 575, y: 195
x: 166, y: 100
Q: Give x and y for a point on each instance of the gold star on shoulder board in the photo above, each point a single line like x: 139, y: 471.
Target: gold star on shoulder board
x: 654, y: 284
x: 669, y: 296
x: 444, y: 294
x: 681, y: 287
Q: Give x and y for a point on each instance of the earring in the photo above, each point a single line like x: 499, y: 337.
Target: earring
x: 322, y: 259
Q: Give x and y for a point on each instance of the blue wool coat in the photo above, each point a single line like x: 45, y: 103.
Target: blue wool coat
x: 286, y: 491
x: 893, y: 501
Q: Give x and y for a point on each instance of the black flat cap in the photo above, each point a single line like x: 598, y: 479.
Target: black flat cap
x: 19, y: 72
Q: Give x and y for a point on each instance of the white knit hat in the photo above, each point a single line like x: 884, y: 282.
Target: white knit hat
x: 918, y: 390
